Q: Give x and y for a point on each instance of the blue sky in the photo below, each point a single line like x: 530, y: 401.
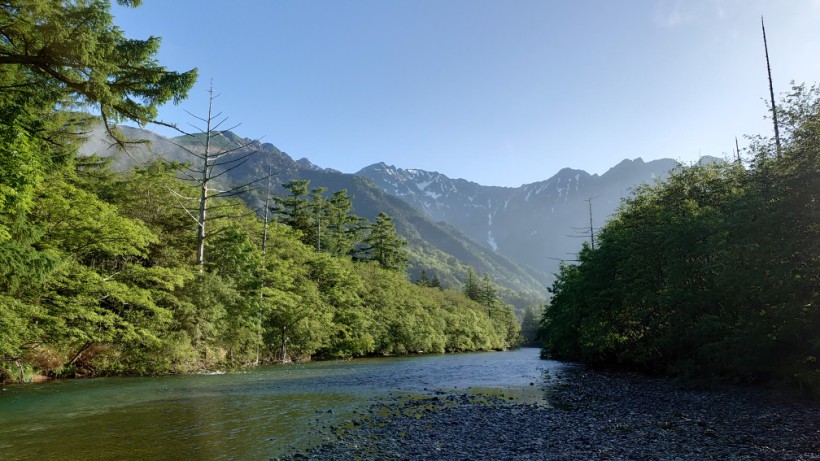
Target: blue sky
x: 496, y: 92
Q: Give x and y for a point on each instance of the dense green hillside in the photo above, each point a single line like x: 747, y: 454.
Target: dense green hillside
x: 435, y: 247
x: 101, y: 279
x: 136, y: 270
x: 713, y: 273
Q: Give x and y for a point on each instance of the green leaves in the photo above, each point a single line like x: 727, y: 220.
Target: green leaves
x: 82, y: 225
x: 711, y: 274
x: 97, y: 267
x: 102, y: 272
x: 73, y: 51
x: 384, y: 246
x: 57, y: 57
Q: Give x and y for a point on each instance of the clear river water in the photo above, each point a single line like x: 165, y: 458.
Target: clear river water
x: 258, y: 414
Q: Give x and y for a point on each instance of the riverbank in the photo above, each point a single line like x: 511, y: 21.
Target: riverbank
x: 586, y: 415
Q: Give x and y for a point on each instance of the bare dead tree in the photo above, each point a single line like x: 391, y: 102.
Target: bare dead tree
x: 266, y: 214
x: 771, y: 91
x: 591, y: 229
x: 266, y: 221
x: 211, y: 160
x: 587, y: 232
x: 737, y: 152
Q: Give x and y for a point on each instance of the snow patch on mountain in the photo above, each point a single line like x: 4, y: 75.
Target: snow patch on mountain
x: 527, y: 223
x: 490, y: 239
x: 423, y: 185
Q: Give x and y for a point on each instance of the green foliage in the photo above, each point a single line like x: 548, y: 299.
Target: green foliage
x: 343, y: 229
x: 710, y: 274
x: 471, y: 288
x: 295, y: 210
x: 102, y: 273
x: 98, y: 270
x: 74, y: 51
x: 68, y: 55
x: 530, y: 324
x: 384, y: 246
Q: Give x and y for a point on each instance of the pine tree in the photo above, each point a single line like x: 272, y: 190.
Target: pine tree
x: 435, y: 282
x: 68, y: 55
x: 471, y: 288
x: 294, y: 210
x: 343, y: 228
x: 384, y: 246
x: 487, y: 295
x: 424, y: 280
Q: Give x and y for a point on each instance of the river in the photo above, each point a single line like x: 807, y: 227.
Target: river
x: 258, y: 414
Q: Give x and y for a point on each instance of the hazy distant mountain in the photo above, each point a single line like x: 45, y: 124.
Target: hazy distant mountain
x: 434, y: 246
x: 536, y: 224
x: 516, y: 234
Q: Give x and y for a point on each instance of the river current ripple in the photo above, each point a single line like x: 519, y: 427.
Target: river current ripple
x: 257, y: 414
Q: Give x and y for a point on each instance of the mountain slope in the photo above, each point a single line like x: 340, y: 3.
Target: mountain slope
x: 530, y: 224
x: 433, y: 246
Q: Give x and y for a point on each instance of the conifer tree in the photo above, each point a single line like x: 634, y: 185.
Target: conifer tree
x: 294, y: 209
x: 384, y: 246
x: 54, y: 56
x: 68, y: 55
x: 487, y: 292
x: 423, y: 280
x: 472, y: 288
x: 343, y: 228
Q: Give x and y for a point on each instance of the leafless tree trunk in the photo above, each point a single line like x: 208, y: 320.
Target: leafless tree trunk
x: 591, y: 229
x: 283, y: 353
x: 264, y: 260
x: 737, y: 151
x: 267, y: 215
x: 203, y: 186
x: 210, y: 163
x: 771, y: 91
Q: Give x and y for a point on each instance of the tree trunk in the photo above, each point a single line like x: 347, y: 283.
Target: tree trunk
x: 80, y: 352
x: 771, y: 91
x: 283, y: 353
x: 203, y: 188
x: 200, y: 231
x: 19, y: 367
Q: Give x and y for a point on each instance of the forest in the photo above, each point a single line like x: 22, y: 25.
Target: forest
x: 105, y: 272
x: 710, y: 275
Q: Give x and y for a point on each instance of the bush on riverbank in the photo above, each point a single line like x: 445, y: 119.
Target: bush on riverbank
x: 713, y: 273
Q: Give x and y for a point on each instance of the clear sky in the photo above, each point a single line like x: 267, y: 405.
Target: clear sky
x: 497, y: 92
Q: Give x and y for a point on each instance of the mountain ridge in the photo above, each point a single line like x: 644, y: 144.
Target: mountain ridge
x: 528, y: 223
x: 517, y: 234
x: 434, y: 246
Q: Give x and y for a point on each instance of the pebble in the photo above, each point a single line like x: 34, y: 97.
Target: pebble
x: 588, y: 415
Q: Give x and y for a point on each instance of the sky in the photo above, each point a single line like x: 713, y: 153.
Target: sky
x: 497, y: 92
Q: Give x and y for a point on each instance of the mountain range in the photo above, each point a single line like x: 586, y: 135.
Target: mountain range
x: 517, y: 235
x: 535, y: 224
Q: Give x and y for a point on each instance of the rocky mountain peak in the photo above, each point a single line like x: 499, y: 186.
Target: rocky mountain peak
x: 529, y: 223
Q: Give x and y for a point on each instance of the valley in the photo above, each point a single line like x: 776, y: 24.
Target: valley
x: 516, y: 235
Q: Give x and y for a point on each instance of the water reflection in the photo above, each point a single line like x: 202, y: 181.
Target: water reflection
x: 252, y: 415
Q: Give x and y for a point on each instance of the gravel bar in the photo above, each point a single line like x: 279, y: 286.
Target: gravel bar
x: 585, y: 415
